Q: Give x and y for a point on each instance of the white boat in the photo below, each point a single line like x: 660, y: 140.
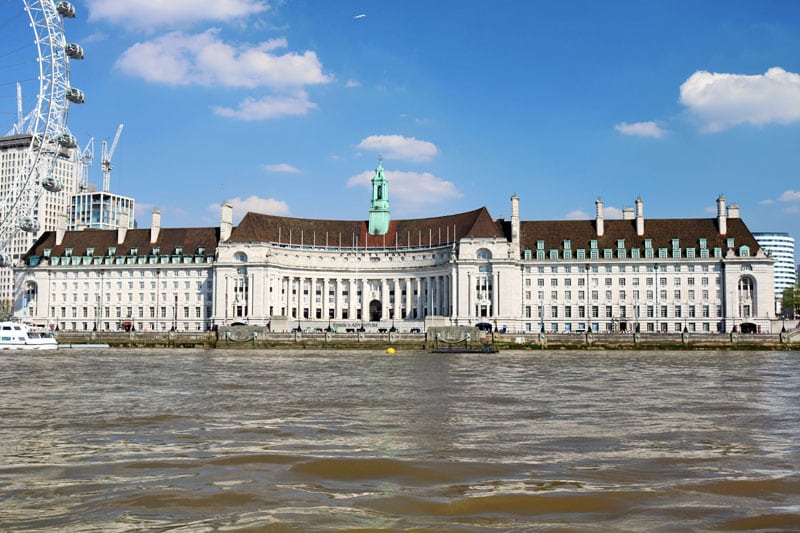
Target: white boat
x: 18, y: 336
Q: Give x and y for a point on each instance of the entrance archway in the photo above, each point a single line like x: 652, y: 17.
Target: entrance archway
x: 375, y: 310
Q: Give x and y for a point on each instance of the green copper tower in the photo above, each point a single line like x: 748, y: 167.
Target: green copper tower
x: 379, y: 216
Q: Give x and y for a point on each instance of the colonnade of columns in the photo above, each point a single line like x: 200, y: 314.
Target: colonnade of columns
x: 324, y: 298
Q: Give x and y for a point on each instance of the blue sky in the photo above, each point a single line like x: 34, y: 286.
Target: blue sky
x: 284, y: 106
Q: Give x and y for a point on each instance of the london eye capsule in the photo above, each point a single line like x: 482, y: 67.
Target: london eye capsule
x: 75, y: 95
x: 74, y: 51
x: 52, y: 184
x: 29, y: 224
x: 67, y: 140
x: 66, y: 10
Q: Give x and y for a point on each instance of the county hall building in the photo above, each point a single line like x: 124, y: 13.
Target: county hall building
x: 655, y: 275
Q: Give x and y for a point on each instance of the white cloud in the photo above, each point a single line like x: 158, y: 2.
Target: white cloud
x: 790, y: 196
x: 268, y: 107
x: 282, y: 167
x: 412, y: 189
x: 640, y: 129
x: 204, y: 59
x: 724, y: 100
x: 399, y: 147
x: 267, y: 206
x: 352, y: 83
x: 147, y: 14
x: 577, y: 214
x: 612, y: 212
x: 766, y: 202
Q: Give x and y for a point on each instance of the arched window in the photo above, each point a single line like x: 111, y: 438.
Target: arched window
x: 747, y: 308
x: 240, y: 257
x: 484, y: 254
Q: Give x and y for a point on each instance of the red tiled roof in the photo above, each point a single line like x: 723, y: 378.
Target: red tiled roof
x: 689, y: 231
x: 190, y: 239
x: 256, y: 227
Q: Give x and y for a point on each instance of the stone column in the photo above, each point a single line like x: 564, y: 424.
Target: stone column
x: 469, y: 295
x: 351, y: 304
x: 494, y: 294
x: 384, y: 299
x: 286, y: 283
x: 418, y: 304
x: 429, y: 297
x: 312, y: 298
x: 324, y: 303
x: 300, y: 283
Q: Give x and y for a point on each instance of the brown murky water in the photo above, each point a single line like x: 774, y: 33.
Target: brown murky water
x: 298, y: 441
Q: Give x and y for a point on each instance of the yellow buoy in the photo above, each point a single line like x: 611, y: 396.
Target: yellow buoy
x: 390, y: 350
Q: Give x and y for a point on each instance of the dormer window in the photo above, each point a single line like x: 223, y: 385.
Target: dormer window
x: 134, y: 251
x: 567, y: 244
x: 156, y: 250
x: 593, y: 243
x: 112, y: 250
x: 201, y: 250
x: 90, y: 252
x: 648, y: 244
x: 540, y: 245
x: 729, y: 242
x: 67, y: 252
x: 703, y: 243
x: 46, y: 252
x: 178, y: 250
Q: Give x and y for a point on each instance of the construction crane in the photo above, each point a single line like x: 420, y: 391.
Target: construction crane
x: 84, y: 162
x: 105, y: 161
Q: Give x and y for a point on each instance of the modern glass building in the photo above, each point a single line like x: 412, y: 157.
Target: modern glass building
x: 781, y: 247
x: 100, y: 210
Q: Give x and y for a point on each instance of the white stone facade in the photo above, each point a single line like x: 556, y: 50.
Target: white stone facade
x: 566, y: 277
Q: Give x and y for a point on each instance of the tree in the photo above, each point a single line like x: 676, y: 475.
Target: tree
x: 6, y: 309
x: 790, y: 303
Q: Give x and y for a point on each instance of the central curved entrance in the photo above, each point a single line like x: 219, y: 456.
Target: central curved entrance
x: 375, y: 310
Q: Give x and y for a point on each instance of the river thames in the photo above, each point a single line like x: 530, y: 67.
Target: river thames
x: 193, y: 440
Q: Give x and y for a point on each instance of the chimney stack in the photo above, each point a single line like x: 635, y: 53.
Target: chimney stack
x: 226, y: 223
x: 515, y: 232
x: 722, y: 219
x: 155, y: 226
x: 61, y: 229
x: 598, y: 204
x: 627, y: 213
x: 639, y: 217
x: 122, y: 229
x: 733, y: 211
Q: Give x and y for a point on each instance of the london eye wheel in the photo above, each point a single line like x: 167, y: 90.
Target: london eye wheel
x: 40, y: 137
